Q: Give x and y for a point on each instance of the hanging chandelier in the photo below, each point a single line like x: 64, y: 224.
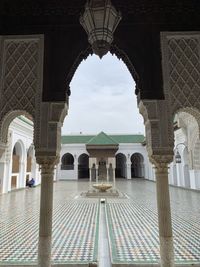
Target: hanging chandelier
x: 99, y: 20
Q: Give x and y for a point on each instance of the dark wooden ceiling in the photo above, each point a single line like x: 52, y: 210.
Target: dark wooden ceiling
x: 137, y: 38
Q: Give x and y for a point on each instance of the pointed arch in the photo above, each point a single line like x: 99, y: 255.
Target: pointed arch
x: 137, y: 166
x: 7, y: 119
x: 83, y: 166
x: 113, y: 50
x: 121, y: 170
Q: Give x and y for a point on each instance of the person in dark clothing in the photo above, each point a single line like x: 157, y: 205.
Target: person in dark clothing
x: 31, y: 183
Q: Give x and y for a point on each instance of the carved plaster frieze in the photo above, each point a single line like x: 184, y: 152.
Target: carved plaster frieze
x: 48, y: 130
x: 159, y: 128
x: 21, y: 75
x: 47, y: 163
x: 181, y: 69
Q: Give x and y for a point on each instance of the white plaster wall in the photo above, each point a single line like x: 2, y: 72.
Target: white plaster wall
x: 21, y: 132
x: 187, y: 134
x: 130, y: 149
x: 76, y: 150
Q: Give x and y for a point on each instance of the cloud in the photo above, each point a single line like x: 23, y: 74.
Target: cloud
x: 103, y: 98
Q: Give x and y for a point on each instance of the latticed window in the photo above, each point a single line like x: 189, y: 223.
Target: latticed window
x: 67, y: 162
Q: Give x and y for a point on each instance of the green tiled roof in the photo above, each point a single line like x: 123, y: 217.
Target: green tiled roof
x: 24, y: 119
x: 102, y: 139
x: 117, y: 138
x: 76, y: 139
x: 128, y: 138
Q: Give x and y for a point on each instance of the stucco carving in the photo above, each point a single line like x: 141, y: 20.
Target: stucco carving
x: 21, y: 81
x: 181, y: 69
x: 159, y: 129
x: 48, y: 130
x: 20, y: 78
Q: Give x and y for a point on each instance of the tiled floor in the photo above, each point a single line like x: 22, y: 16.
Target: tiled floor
x: 132, y: 224
x: 75, y: 227
x: 134, y: 234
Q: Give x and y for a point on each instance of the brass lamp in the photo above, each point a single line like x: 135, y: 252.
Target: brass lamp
x: 99, y: 20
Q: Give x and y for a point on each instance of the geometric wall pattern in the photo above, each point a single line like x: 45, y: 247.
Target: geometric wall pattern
x: 183, y: 60
x: 20, y: 76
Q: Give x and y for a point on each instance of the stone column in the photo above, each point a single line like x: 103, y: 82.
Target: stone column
x: 128, y: 168
x: 46, y: 209
x: 4, y: 160
x: 114, y: 186
x: 90, y: 173
x: 164, y: 215
x: 107, y: 173
x: 97, y: 173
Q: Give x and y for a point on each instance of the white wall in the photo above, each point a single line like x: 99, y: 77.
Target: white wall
x: 22, y: 133
x: 76, y: 150
x: 186, y: 173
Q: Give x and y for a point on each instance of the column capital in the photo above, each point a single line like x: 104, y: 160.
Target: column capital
x: 158, y: 160
x: 161, y: 162
x: 47, y: 163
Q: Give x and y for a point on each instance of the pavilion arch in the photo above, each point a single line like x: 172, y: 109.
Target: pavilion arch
x: 120, y: 54
x: 83, y: 166
x: 67, y: 162
x: 121, y: 169
x: 137, y: 166
x: 7, y: 119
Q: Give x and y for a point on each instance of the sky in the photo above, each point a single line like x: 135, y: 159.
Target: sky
x: 102, y: 99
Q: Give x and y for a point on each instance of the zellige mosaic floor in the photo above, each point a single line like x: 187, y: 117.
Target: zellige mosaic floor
x: 75, y: 229
x: 132, y: 225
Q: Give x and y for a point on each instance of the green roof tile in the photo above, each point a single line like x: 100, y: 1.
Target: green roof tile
x: 102, y: 139
x: 75, y: 139
x: 128, y: 138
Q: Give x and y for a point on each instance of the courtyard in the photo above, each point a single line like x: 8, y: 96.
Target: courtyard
x: 131, y: 225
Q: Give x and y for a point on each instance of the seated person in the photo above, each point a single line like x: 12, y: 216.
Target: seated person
x: 31, y: 183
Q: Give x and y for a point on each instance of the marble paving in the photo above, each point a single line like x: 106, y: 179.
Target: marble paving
x: 75, y: 229
x: 132, y: 225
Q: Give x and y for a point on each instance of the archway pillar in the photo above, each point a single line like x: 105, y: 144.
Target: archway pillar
x: 47, y: 151
x: 92, y: 162
x: 76, y: 167
x: 47, y: 166
x: 164, y: 210
x: 112, y: 161
x: 97, y: 173
x: 3, y: 166
x: 107, y: 173
x: 128, y: 167
x: 160, y: 142
x: 90, y: 174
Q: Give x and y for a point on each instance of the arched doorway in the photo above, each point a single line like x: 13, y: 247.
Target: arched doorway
x: 67, y: 162
x: 16, y: 165
x: 121, y: 170
x: 137, y: 166
x: 83, y: 166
